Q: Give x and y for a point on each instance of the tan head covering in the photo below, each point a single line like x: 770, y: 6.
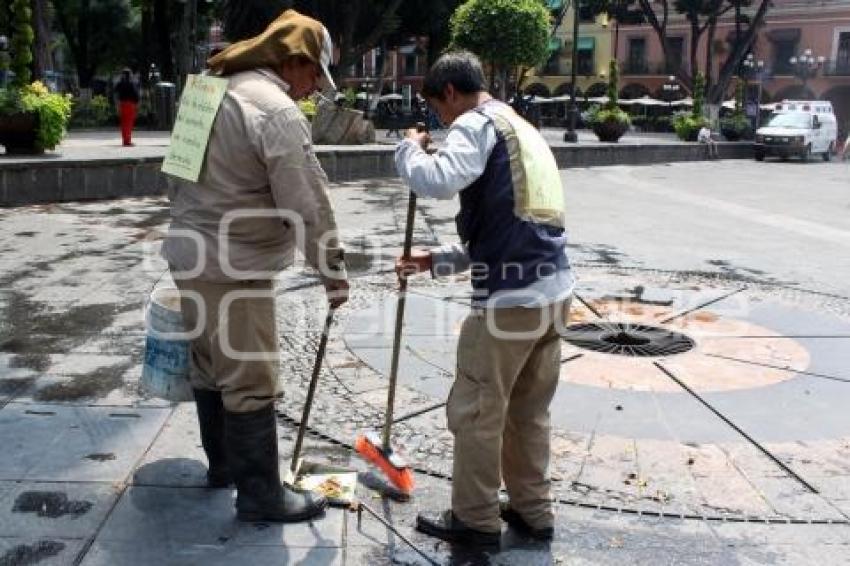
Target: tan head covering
x: 289, y: 35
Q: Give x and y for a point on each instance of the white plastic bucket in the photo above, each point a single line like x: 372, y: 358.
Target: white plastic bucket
x: 165, y: 373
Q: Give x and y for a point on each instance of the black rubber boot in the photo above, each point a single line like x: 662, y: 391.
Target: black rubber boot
x: 211, y: 421
x: 252, y: 455
x: 449, y: 528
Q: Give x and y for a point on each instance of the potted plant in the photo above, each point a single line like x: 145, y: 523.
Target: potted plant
x: 32, y: 118
x: 608, y: 121
x: 737, y: 126
x: 687, y: 125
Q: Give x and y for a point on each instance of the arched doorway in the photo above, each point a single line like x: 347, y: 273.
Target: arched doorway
x: 840, y: 98
x: 537, y: 89
x: 634, y: 90
x: 564, y: 88
x: 794, y: 92
x: 596, y: 89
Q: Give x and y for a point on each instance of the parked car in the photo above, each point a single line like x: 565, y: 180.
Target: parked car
x: 800, y: 128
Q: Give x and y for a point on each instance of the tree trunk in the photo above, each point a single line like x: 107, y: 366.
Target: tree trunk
x: 660, y: 28
x: 146, y: 55
x: 709, y: 55
x: 162, y: 24
x: 727, y: 71
x: 84, y: 71
x: 379, y: 86
x: 42, y: 57
x: 695, y: 36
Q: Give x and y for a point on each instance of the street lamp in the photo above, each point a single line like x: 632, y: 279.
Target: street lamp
x: 751, y: 68
x: 671, y: 89
x: 806, y: 65
x: 570, y: 135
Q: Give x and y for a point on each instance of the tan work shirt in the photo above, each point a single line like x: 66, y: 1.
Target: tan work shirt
x: 261, y: 192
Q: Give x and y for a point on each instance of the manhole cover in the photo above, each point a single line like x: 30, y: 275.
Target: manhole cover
x: 627, y: 339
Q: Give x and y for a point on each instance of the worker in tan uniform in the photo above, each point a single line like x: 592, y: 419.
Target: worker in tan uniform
x: 260, y: 195
x: 512, y: 239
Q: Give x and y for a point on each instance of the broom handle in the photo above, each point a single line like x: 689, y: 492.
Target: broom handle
x: 314, y: 381
x: 399, y: 320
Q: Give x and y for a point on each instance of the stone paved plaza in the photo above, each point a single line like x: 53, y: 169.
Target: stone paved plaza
x: 734, y: 451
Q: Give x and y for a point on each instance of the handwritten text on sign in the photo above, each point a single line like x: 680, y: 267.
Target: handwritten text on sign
x: 199, y: 104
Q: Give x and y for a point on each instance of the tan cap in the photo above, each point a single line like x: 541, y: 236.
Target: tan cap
x: 289, y: 35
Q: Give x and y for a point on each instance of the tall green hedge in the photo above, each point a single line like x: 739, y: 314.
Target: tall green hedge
x: 22, y: 39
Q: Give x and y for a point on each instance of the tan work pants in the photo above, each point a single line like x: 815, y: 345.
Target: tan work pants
x: 237, y: 350
x: 498, y: 411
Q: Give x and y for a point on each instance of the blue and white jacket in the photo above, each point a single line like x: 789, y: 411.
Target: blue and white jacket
x: 511, y: 220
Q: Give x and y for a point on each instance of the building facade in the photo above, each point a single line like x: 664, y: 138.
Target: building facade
x: 791, y: 28
x: 594, y: 54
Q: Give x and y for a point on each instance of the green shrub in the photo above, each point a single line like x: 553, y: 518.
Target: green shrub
x: 92, y: 112
x: 598, y: 115
x: 736, y: 127
x: 349, y: 98
x: 687, y: 125
x: 21, y: 43
x: 53, y: 110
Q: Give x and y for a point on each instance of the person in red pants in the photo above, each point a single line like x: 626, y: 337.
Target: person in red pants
x: 128, y: 104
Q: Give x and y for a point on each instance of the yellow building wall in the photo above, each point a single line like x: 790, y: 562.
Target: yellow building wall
x: 602, y: 54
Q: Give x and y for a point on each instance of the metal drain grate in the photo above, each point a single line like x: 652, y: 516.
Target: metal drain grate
x: 625, y: 339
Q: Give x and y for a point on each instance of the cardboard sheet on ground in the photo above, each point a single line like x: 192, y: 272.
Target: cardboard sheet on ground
x: 199, y: 105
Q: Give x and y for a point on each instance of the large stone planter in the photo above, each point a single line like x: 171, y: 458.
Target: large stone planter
x: 19, y: 133
x: 610, y: 130
x: 334, y: 125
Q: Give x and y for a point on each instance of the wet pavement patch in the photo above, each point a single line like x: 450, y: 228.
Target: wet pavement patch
x: 100, y: 457
x: 14, y: 385
x: 24, y: 555
x: 35, y: 361
x: 98, y: 383
x: 51, y: 504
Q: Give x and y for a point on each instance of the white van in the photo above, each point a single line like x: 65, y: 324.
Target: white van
x: 799, y: 128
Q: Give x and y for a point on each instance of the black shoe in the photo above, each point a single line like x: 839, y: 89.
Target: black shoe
x: 251, y: 440
x: 516, y: 522
x: 449, y: 528
x: 211, y: 421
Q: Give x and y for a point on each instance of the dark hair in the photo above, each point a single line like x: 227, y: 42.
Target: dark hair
x: 461, y: 69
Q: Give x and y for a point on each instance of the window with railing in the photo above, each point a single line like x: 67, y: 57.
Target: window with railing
x: 783, y: 51
x: 636, y: 62
x: 676, y: 54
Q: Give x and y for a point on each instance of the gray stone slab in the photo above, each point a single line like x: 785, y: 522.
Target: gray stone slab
x: 43, y: 509
x: 54, y: 551
x: 207, y: 517
x: 61, y: 443
x: 170, y: 553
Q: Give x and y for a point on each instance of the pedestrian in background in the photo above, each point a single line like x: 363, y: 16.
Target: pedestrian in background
x: 704, y: 137
x: 259, y: 164
x: 511, y: 226
x: 128, y: 105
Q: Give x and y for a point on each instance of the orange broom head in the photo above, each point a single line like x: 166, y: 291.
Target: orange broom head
x: 396, y: 470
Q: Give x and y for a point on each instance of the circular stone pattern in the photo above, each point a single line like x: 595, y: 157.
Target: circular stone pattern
x: 708, y: 350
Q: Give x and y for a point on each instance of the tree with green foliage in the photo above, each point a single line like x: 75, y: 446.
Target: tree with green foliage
x: 100, y: 34
x: 703, y: 17
x: 356, y: 26
x: 504, y: 33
